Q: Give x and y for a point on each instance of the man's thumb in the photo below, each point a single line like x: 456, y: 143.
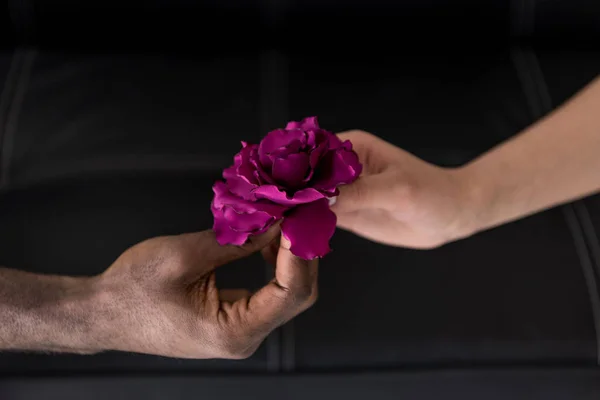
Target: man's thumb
x: 221, y: 255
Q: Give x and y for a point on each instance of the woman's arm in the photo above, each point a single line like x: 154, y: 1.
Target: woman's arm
x: 552, y: 162
x: 404, y: 201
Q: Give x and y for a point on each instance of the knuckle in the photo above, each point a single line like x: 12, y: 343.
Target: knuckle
x: 302, y: 295
x: 312, y: 300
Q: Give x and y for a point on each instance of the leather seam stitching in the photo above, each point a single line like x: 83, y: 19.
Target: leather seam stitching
x: 7, y: 100
x: 522, y: 18
x: 274, y: 110
x: 12, y: 116
x: 578, y: 236
x: 593, y: 244
x: 591, y: 234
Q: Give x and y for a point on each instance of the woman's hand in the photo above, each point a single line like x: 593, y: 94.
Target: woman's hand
x: 402, y: 200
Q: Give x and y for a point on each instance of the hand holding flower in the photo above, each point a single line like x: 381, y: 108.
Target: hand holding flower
x: 290, y: 175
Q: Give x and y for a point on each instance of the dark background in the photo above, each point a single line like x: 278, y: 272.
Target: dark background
x: 116, y: 118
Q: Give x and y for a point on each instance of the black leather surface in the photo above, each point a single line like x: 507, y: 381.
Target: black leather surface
x: 5, y: 58
x: 496, y: 298
x: 120, y: 138
x: 150, y: 113
x: 6, y: 94
x: 187, y: 25
x: 6, y: 34
x: 445, y: 106
x: 97, y: 114
x: 156, y: 131
x: 184, y: 25
x: 567, y: 71
x: 516, y: 384
x: 593, y: 206
x: 567, y: 22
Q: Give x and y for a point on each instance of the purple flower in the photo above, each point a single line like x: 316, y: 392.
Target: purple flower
x: 290, y: 175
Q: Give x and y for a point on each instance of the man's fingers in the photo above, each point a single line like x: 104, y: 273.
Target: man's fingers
x: 297, y: 275
x: 293, y: 290
x: 233, y: 295
x: 218, y: 255
x: 269, y: 253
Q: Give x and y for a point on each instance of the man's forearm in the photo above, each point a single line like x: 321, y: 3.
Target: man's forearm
x: 48, y: 313
x: 552, y: 162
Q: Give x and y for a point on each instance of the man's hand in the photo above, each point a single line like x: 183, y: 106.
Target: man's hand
x: 164, y: 294
x: 402, y: 200
x: 159, y: 297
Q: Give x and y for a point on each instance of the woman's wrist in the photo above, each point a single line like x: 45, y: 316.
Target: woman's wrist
x: 475, y: 201
x: 491, y: 197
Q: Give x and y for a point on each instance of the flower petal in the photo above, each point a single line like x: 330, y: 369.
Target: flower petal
x: 309, y: 228
x: 224, y: 234
x: 306, y: 124
x: 295, y: 146
x: 247, y: 222
x: 335, y: 142
x: 291, y: 171
x: 277, y: 139
x: 276, y: 195
x: 337, y: 168
x: 318, y: 136
x: 224, y: 197
x: 239, y: 185
x: 317, y: 153
x: 263, y: 177
x: 242, y: 161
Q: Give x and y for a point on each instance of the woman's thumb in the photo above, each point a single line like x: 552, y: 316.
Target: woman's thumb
x: 363, y: 193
